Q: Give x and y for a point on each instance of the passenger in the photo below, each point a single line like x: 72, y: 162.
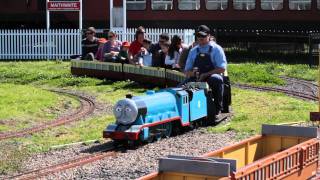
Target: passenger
x: 155, y: 48
x: 211, y: 61
x: 184, y: 55
x: 123, y: 54
x: 90, y: 44
x: 135, y: 47
x: 159, y: 58
x: 99, y: 54
x: 175, y: 50
x: 145, y: 57
x: 111, y: 49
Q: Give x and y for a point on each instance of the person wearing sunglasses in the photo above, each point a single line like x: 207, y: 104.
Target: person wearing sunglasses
x: 90, y: 44
x: 210, y: 60
x: 112, y: 48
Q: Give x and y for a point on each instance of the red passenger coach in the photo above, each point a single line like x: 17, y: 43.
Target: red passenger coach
x: 227, y: 18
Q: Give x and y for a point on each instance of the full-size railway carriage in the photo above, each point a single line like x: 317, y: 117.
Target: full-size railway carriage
x: 248, y: 20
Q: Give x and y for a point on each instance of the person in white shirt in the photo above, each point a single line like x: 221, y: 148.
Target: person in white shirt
x: 175, y: 49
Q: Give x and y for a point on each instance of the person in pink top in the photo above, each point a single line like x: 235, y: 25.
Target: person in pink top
x: 111, y: 49
x: 99, y: 55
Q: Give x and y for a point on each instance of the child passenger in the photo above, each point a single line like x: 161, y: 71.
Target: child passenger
x: 123, y: 54
x: 145, y: 57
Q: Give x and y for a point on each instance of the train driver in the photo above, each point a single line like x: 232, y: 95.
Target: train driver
x: 210, y: 60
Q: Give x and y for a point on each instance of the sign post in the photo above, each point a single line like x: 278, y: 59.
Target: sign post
x: 64, y: 6
x: 117, y: 21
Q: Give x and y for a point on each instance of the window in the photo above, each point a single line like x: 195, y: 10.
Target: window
x: 136, y: 4
x: 244, y: 4
x: 161, y: 5
x: 189, y: 4
x: 299, y: 4
x: 217, y: 4
x: 271, y: 4
x: 318, y: 4
x: 185, y: 100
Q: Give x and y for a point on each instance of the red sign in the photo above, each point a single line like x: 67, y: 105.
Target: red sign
x: 63, y: 6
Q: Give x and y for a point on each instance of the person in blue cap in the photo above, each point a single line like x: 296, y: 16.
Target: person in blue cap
x: 210, y: 60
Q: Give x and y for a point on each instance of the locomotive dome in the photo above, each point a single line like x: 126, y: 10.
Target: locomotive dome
x: 125, y: 111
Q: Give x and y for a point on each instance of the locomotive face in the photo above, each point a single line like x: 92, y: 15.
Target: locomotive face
x: 125, y: 111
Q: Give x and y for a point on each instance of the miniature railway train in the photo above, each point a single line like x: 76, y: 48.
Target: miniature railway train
x: 281, y: 152
x: 156, y: 114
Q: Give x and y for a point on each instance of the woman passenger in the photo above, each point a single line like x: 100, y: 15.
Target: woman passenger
x: 175, y: 49
x: 111, y: 49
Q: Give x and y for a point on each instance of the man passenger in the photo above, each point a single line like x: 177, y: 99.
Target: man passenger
x: 90, y: 44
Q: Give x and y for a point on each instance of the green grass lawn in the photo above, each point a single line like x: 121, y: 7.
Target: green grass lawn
x: 251, y: 109
x: 23, y: 106
x: 268, y: 74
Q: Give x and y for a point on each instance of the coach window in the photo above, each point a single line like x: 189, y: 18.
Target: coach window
x: 136, y: 4
x: 189, y: 4
x: 299, y: 4
x: 161, y: 5
x: 244, y: 4
x: 271, y: 4
x: 217, y: 4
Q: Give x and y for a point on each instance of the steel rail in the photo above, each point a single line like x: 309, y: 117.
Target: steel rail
x: 273, y: 89
x: 87, y: 107
x: 38, y: 173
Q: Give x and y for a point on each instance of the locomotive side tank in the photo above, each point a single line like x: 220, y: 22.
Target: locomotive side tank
x: 157, y: 114
x: 135, y: 115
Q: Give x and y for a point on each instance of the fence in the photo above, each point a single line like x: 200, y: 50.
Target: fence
x: 62, y: 43
x: 39, y: 43
x: 186, y: 34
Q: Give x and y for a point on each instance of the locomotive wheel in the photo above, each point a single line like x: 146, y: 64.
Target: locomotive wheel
x: 132, y: 144
x: 168, y: 131
x: 176, y: 128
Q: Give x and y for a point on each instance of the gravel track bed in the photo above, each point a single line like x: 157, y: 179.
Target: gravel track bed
x: 56, y: 156
x: 136, y: 163
x: 302, y: 86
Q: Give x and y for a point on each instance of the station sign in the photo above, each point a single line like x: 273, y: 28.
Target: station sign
x: 63, y: 6
x: 74, y: 5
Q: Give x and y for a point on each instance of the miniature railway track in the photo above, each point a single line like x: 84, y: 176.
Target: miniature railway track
x: 34, y: 174
x: 87, y: 107
x: 313, y: 88
x: 305, y: 96
x: 108, y: 152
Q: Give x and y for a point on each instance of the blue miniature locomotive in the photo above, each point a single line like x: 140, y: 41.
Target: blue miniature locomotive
x: 161, y: 113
